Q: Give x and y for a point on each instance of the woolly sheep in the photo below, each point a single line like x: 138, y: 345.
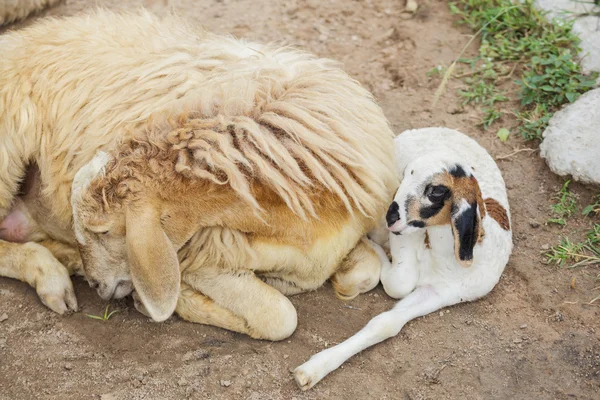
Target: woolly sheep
x: 299, y: 151
x: 450, y: 238
x: 14, y: 10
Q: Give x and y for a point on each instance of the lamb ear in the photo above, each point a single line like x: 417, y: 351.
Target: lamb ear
x: 153, y: 261
x: 466, y: 223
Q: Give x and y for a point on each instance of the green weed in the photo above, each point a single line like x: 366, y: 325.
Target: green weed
x: 593, y: 208
x: 104, y: 317
x: 573, y: 255
x: 565, y: 206
x: 517, y: 38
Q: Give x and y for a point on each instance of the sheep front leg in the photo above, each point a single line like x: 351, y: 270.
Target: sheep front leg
x: 255, y: 308
x: 422, y: 301
x: 35, y: 264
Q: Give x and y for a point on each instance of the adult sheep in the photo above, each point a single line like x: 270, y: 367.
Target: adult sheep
x: 281, y: 132
x: 14, y: 10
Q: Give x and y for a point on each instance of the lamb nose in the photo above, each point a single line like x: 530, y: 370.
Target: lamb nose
x: 393, y: 214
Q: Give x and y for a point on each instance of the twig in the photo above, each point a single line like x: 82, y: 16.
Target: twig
x: 504, y: 157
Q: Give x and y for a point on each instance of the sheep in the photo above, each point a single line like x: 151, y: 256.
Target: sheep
x: 14, y: 10
x: 289, y: 140
x: 272, y: 194
x: 450, y: 238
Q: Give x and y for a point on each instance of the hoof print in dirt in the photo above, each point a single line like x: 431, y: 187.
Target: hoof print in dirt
x: 571, y: 145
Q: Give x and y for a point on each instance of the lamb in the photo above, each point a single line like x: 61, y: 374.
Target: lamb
x: 450, y: 238
x: 14, y: 10
x: 248, y: 152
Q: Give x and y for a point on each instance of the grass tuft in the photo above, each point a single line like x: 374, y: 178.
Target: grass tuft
x: 518, y: 39
x: 566, y: 205
x: 104, y: 317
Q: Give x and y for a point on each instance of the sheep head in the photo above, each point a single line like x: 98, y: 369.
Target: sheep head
x: 122, y: 243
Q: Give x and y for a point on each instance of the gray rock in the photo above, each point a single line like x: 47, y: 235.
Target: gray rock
x: 565, y: 9
x: 571, y: 143
x: 588, y: 29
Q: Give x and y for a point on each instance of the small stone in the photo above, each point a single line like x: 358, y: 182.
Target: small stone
x: 182, y: 382
x: 354, y: 38
x: 3, y: 317
x: 545, y: 246
x: 441, y: 313
x: 225, y: 383
x: 68, y: 366
x: 285, y: 356
x: 523, y: 326
x: 517, y: 340
x: 534, y: 224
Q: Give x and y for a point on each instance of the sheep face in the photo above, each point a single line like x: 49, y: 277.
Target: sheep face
x: 122, y: 244
x: 100, y: 234
x: 437, y: 192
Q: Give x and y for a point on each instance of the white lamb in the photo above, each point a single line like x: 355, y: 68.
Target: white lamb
x: 450, y: 238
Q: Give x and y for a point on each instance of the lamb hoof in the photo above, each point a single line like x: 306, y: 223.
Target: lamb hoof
x: 303, y: 379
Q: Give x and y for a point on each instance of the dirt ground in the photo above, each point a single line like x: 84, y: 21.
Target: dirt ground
x: 533, y: 337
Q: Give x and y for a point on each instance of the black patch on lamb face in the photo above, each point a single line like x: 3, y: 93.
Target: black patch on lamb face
x: 430, y: 211
x: 417, y: 224
x: 457, y: 171
x: 468, y: 227
x: 393, y: 214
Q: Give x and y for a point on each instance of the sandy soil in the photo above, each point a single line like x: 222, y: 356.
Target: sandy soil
x: 532, y: 337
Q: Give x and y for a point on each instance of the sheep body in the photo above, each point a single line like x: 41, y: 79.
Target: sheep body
x: 243, y: 118
x: 426, y: 271
x: 14, y: 10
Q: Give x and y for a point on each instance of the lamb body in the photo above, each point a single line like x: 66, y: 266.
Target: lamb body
x: 446, y: 251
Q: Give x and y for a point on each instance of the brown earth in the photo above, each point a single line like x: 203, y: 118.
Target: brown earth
x: 533, y: 337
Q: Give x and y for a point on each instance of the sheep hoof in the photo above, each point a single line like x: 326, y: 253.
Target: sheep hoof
x: 55, y: 289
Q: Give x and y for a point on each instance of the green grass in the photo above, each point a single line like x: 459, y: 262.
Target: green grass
x: 565, y: 206
x: 573, y: 255
x: 518, y: 42
x: 104, y: 317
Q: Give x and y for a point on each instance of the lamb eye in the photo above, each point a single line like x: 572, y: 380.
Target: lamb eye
x: 437, y: 193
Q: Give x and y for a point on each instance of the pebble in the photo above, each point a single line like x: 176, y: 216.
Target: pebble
x: 225, y: 383
x: 441, y: 313
x: 523, y: 326
x: 3, y: 317
x: 285, y: 356
x: 517, y: 340
x: 182, y: 382
x: 533, y: 223
x: 545, y: 246
x: 68, y: 366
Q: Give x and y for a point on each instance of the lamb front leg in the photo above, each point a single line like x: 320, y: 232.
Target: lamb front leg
x: 35, y: 264
x: 422, y: 301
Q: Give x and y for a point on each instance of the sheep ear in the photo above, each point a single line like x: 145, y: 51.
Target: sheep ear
x: 89, y: 171
x: 466, y: 223
x: 153, y: 261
